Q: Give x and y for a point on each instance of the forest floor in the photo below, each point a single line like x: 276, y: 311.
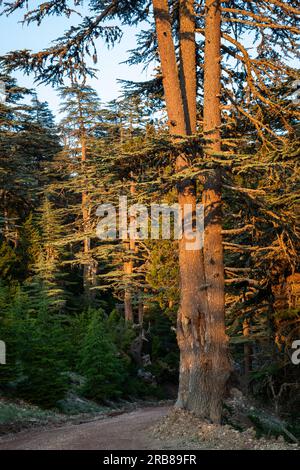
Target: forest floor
x: 149, y: 428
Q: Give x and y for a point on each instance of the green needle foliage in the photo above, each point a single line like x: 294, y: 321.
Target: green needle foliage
x: 101, y: 363
x: 63, y: 290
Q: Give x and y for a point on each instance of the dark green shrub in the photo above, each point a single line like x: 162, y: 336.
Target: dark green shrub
x: 101, y: 363
x: 42, y: 348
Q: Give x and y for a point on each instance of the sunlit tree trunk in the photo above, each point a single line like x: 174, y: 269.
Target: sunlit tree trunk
x: 130, y: 250
x: 200, y: 326
x: 187, y: 67
x: 217, y: 353
x: 128, y: 270
x: 177, y: 105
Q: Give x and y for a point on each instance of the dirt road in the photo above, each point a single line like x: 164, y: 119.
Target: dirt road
x: 126, y: 431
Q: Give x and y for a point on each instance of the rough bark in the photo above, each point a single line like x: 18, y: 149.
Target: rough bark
x: 200, y: 323
x: 128, y: 306
x: 179, y: 103
x: 187, y: 47
x: 217, y: 353
x: 190, y: 319
x: 190, y: 262
x: 171, y: 84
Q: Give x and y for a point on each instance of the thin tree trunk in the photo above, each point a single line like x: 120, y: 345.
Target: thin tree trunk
x: 90, y: 265
x: 130, y: 248
x: 141, y: 310
x: 128, y: 271
x: 87, y: 267
x: 6, y: 219
x: 247, y: 353
x: 128, y: 306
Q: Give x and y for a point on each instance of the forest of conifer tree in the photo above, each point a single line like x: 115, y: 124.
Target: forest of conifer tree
x: 90, y: 323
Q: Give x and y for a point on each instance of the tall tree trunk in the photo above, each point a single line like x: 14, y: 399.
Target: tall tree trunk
x: 179, y: 104
x: 213, y: 247
x: 187, y: 48
x: 171, y: 83
x: 89, y: 267
x: 190, y: 262
x: 200, y: 326
x: 130, y: 249
x: 85, y: 217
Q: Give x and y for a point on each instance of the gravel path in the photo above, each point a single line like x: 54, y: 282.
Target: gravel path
x: 126, y: 431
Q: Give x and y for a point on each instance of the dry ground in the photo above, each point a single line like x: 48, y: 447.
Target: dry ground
x: 152, y: 428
